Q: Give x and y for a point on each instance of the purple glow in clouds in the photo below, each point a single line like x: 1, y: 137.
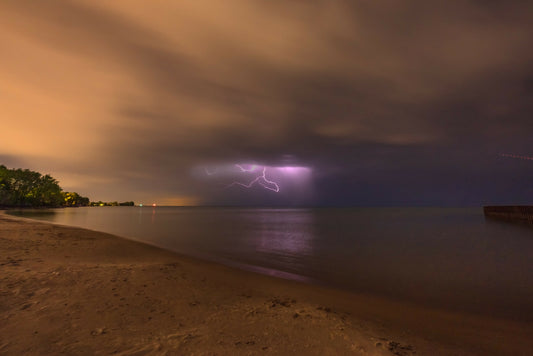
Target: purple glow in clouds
x: 294, y: 170
x: 289, y: 178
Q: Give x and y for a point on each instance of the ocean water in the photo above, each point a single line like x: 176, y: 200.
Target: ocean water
x: 450, y: 258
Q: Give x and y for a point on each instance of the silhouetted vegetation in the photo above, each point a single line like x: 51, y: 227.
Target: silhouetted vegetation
x: 114, y: 203
x: 127, y: 203
x: 74, y: 199
x: 25, y: 188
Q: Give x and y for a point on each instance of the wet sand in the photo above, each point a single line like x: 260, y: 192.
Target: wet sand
x: 75, y: 291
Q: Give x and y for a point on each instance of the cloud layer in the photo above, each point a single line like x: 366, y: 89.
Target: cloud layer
x: 390, y: 103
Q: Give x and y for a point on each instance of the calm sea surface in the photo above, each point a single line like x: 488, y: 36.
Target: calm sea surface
x: 444, y: 257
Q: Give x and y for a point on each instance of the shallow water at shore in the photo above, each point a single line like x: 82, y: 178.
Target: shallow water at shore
x: 445, y: 257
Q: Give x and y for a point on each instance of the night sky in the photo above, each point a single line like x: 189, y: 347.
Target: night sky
x: 336, y: 102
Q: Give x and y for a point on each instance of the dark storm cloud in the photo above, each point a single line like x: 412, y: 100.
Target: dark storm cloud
x: 390, y: 102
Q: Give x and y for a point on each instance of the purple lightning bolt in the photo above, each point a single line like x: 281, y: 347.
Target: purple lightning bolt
x: 251, y: 169
x: 261, y: 180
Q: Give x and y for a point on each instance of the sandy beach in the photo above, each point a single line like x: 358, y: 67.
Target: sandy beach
x: 67, y: 290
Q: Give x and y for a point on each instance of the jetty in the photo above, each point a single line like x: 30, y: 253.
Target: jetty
x: 510, y: 212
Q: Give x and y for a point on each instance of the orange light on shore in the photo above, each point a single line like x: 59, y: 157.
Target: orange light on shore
x: 154, y: 205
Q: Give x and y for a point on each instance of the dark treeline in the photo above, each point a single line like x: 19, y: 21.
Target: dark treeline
x: 113, y: 203
x: 25, y: 188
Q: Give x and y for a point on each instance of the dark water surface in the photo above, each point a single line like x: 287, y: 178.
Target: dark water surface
x: 445, y: 257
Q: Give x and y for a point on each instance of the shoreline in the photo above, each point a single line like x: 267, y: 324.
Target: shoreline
x: 67, y: 289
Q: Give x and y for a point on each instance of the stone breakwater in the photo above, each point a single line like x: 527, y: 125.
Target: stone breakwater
x: 510, y: 212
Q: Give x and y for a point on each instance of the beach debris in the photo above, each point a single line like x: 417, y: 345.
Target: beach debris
x: 98, y: 331
x: 12, y: 262
x: 286, y: 302
x: 242, y: 343
x: 326, y: 309
x: 395, y: 347
x: 184, y: 336
x: 26, y: 306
